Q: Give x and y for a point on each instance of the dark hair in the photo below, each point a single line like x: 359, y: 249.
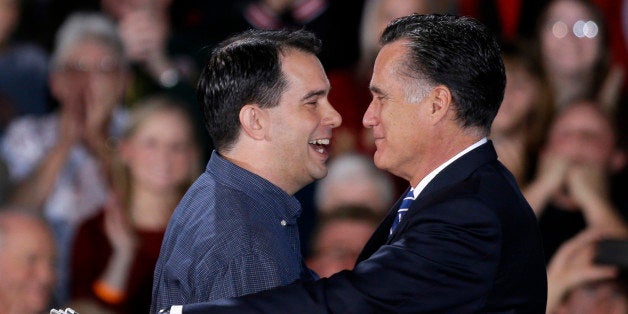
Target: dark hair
x: 245, y: 68
x: 460, y: 53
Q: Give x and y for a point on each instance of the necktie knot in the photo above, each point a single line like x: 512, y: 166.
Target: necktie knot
x: 403, y: 209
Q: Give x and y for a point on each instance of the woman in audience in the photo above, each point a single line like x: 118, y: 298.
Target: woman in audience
x: 574, y: 54
x: 525, y: 113
x: 115, y: 252
x: 572, y: 188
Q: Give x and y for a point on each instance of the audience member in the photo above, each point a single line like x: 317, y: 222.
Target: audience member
x: 577, y: 284
x: 27, y: 254
x: 570, y: 190
x: 524, y: 115
x: 339, y: 238
x: 115, y: 252
x: 23, y: 69
x: 353, y: 179
x: 59, y: 161
x: 573, y: 51
x: 264, y: 95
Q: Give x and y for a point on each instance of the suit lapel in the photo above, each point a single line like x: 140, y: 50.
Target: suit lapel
x: 380, y: 236
x: 455, y: 172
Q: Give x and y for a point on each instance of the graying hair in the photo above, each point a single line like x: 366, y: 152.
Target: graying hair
x: 353, y: 168
x: 84, y: 26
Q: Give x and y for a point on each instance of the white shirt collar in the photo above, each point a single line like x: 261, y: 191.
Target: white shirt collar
x: 423, y: 183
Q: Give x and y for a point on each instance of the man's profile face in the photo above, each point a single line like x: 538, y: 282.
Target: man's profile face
x: 396, y: 119
x: 301, y: 125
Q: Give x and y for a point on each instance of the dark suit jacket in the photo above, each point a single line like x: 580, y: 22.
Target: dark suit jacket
x: 469, y: 244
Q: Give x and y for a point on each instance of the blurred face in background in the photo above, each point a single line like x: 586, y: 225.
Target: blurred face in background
x: 90, y: 78
x: 338, y: 245
x: 570, y: 38
x: 377, y: 15
x: 27, y: 255
x: 584, y: 135
x: 160, y: 153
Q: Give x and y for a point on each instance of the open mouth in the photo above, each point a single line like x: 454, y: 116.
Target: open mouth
x: 320, y: 145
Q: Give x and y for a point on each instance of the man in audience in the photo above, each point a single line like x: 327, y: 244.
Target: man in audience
x: 339, y: 237
x: 27, y: 254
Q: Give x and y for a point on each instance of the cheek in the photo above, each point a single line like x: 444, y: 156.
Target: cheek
x: 16, y: 277
x: 589, y: 51
x: 183, y: 162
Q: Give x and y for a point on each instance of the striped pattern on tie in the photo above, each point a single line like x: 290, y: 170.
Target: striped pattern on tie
x: 403, y: 209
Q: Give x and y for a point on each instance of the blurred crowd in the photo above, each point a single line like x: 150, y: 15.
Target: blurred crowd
x: 100, y: 136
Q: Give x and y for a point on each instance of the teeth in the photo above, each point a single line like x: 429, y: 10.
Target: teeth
x: 324, y: 141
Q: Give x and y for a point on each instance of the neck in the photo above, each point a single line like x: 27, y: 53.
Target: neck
x: 151, y: 210
x: 265, y: 168
x: 566, y: 88
x: 447, y: 146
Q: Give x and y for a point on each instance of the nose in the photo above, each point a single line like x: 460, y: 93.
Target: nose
x: 332, y: 117
x: 369, y: 119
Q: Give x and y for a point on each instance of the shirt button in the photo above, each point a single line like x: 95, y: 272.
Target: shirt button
x: 283, y: 223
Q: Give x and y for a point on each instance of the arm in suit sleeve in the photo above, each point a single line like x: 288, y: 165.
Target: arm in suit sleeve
x: 444, y: 259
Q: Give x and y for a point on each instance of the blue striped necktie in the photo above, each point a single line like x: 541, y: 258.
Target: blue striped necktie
x: 403, y: 209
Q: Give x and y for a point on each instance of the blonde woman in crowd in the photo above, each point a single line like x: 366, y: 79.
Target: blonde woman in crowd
x: 115, y: 252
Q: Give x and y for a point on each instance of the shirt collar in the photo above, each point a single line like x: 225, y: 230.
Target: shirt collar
x: 284, y: 204
x: 423, y: 183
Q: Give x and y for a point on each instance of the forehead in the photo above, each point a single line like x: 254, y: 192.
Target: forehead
x: 24, y: 236
x: 387, y: 64
x: 303, y: 71
x: 583, y: 117
x: 89, y: 49
x: 568, y: 11
x: 156, y: 122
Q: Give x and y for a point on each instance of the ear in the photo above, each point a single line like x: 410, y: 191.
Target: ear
x: 439, y: 102
x: 253, y: 121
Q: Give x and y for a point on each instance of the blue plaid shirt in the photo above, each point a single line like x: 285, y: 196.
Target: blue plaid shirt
x: 233, y: 233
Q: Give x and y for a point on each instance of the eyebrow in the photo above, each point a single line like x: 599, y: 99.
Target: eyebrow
x: 315, y: 93
x: 376, y: 90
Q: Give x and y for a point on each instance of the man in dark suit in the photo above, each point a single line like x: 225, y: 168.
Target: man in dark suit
x: 464, y: 240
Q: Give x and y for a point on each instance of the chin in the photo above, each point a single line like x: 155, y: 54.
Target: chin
x: 379, y: 161
x: 317, y: 175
